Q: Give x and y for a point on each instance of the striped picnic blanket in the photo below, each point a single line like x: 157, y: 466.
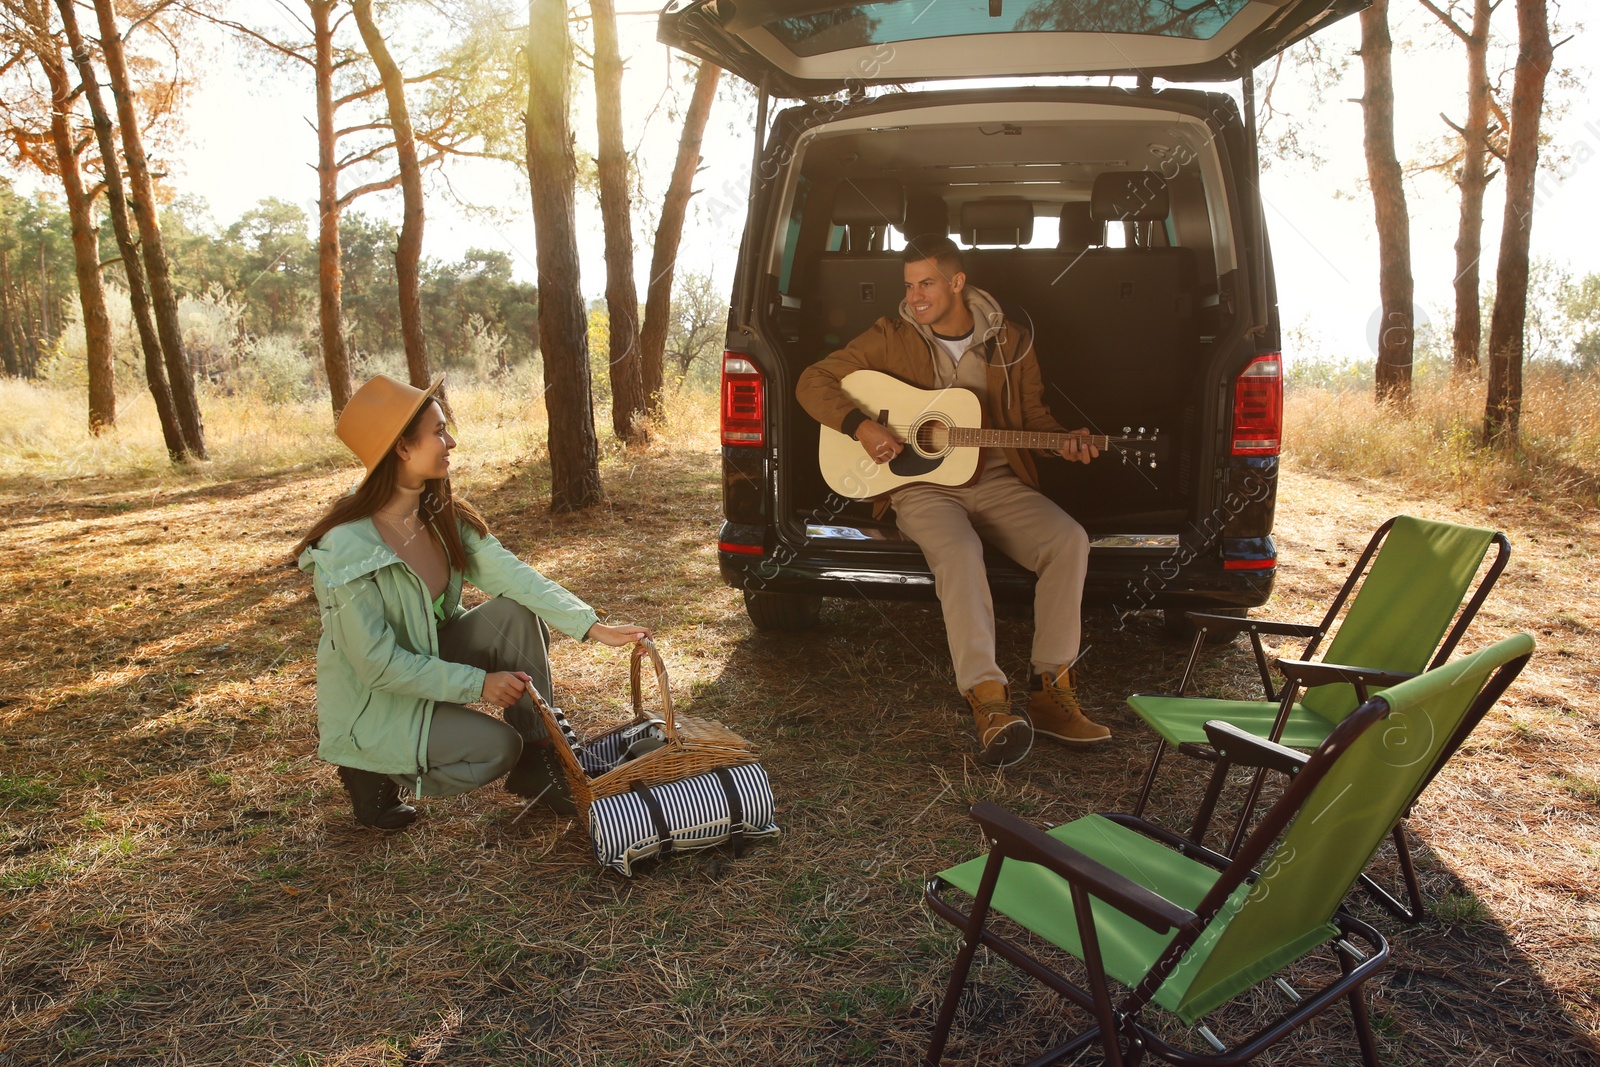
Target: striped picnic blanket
x: 690, y: 813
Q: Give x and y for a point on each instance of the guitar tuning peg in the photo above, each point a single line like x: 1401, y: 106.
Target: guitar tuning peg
x: 1141, y: 431
x: 1126, y: 430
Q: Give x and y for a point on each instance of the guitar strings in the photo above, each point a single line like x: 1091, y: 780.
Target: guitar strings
x: 1106, y: 439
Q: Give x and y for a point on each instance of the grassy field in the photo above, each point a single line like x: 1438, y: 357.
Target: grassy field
x: 180, y: 881
x: 1433, y: 446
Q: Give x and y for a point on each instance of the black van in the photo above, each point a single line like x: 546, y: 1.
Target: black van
x: 1121, y: 222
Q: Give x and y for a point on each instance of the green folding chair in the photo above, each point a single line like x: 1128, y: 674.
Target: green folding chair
x: 1185, y: 930
x: 1420, y: 572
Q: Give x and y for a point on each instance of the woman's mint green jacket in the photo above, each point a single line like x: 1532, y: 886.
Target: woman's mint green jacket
x: 378, y: 666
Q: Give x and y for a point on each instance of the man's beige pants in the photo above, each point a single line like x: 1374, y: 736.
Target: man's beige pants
x: 950, y: 525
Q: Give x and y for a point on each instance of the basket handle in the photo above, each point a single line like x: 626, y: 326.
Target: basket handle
x: 642, y: 648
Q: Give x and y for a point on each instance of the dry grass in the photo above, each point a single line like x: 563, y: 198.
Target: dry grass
x: 180, y: 881
x: 43, y: 441
x: 1432, y: 447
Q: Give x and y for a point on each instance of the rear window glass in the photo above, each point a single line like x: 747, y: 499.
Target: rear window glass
x: 1046, y: 234
x: 911, y: 20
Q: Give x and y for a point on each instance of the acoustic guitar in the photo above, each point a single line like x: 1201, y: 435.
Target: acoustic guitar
x: 944, y: 437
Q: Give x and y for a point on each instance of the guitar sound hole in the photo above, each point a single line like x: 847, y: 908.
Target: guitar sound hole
x: 932, y: 437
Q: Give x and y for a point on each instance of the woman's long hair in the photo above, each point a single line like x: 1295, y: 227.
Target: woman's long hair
x: 438, y: 508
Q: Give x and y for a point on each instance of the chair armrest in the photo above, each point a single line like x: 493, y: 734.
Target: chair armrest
x: 1020, y: 839
x: 1228, y: 627
x: 1244, y: 749
x: 1310, y: 674
x: 1234, y: 624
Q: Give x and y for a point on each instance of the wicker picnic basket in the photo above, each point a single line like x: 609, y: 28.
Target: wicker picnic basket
x: 693, y: 746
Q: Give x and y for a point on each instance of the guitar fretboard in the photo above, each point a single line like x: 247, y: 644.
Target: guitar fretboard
x: 972, y: 437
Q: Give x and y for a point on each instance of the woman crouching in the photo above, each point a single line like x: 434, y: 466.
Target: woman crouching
x: 399, y: 657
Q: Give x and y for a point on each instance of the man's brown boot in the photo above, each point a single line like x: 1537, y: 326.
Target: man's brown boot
x: 1004, y: 737
x: 1055, y: 712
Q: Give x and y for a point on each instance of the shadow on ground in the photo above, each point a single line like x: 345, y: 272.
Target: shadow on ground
x: 182, y: 883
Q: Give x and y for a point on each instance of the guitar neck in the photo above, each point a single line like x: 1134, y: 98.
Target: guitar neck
x: 973, y: 437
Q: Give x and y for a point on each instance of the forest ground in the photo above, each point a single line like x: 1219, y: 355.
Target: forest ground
x: 181, y: 882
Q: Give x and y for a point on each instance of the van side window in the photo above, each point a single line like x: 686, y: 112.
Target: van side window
x: 791, y: 233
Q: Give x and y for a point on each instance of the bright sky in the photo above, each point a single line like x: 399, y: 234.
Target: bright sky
x: 250, y: 139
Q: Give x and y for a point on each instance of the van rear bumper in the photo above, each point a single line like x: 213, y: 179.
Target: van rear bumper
x: 1128, y: 579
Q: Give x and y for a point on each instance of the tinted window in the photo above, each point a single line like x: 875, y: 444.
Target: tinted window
x: 910, y: 20
x: 791, y: 236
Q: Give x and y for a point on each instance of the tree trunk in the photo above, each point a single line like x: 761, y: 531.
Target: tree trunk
x: 1503, y: 412
x: 622, y: 295
x: 179, y: 375
x: 33, y: 337
x: 46, y: 330
x: 1395, y: 330
x: 27, y: 328
x: 8, y: 311
x: 669, y: 231
x: 408, y: 253
x: 16, y: 305
x: 1474, y: 180
x: 563, y: 326
x: 155, y: 374
x: 330, y: 273
x: 80, y: 212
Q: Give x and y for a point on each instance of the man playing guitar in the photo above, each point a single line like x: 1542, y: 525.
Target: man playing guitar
x: 951, y: 334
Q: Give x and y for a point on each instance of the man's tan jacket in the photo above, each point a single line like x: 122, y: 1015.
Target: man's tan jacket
x: 906, y: 349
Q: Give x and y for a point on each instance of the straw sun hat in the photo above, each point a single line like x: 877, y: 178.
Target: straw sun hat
x: 378, y: 414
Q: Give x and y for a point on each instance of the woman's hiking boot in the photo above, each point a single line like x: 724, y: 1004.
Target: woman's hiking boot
x: 376, y: 799
x: 1054, y: 711
x: 538, y: 774
x: 1004, y: 737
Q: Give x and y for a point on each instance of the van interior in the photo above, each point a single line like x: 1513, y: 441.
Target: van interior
x: 1105, y: 230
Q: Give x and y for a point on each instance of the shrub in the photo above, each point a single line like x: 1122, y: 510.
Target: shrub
x: 212, y: 335
x: 275, y: 369
x: 66, y: 365
x: 390, y: 361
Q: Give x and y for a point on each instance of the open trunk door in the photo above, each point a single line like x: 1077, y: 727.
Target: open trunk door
x: 804, y: 48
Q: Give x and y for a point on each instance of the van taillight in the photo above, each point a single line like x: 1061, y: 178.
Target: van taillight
x: 743, y: 402
x: 1258, y: 407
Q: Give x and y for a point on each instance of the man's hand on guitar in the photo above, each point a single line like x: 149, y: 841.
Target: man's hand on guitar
x: 879, y: 441
x: 1079, y: 447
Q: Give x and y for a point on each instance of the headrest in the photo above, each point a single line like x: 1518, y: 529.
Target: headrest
x: 1079, y: 230
x: 1000, y: 220
x: 1129, y: 196
x: 869, y: 202
x: 926, y: 213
